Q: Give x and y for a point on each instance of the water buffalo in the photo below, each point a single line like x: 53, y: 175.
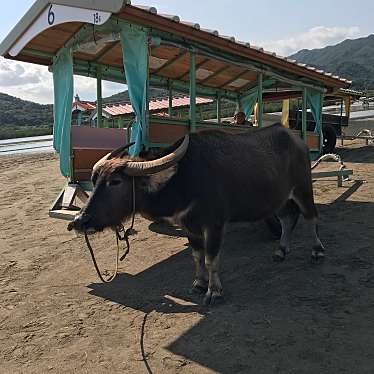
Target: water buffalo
x: 203, y: 182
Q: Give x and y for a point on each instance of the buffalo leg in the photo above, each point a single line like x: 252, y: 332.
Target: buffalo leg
x: 288, y: 217
x: 308, y: 209
x: 318, y: 251
x: 213, y: 240
x: 200, y: 283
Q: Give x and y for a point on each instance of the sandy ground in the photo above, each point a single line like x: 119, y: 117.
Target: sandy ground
x: 295, y: 317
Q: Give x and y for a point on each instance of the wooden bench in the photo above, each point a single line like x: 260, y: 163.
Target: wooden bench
x: 88, y: 145
x: 166, y: 132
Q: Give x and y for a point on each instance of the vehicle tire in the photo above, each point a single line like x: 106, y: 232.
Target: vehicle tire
x: 329, y: 139
x: 274, y: 226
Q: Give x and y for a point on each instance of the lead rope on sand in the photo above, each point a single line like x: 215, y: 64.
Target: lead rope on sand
x: 119, y: 238
x: 142, y: 334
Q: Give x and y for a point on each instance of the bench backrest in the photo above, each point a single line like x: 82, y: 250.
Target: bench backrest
x: 89, y: 144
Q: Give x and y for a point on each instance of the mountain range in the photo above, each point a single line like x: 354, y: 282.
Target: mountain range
x: 351, y: 59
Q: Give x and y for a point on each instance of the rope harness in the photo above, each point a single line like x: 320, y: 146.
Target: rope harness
x: 122, y: 235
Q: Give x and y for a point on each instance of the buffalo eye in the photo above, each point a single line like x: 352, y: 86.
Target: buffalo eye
x: 114, y: 182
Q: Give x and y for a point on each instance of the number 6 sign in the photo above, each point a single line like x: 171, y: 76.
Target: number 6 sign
x: 55, y: 15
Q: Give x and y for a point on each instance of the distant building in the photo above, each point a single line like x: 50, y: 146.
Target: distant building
x: 81, y: 111
x: 121, y: 114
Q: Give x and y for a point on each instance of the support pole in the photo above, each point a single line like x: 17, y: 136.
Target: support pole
x: 147, y: 112
x: 260, y: 105
x: 304, y: 116
x: 99, y: 97
x: 219, y: 108
x: 192, y: 92
x: 120, y: 122
x: 341, y: 112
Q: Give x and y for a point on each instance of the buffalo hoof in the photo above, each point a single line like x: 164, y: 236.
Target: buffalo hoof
x: 213, y: 298
x: 199, y: 287
x: 279, y: 255
x: 318, y: 256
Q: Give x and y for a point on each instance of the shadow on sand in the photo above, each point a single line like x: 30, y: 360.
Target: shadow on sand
x: 293, y: 317
x: 363, y: 154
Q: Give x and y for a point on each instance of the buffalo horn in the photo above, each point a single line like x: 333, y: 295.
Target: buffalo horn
x: 135, y: 168
x: 116, y: 153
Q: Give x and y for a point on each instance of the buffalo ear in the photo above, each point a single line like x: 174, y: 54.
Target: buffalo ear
x: 120, y: 152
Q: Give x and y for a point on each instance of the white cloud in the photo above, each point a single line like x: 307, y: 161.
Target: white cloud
x: 35, y: 83
x: 27, y: 81
x: 316, y: 37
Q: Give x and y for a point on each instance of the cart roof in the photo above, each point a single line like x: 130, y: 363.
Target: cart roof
x: 166, y: 61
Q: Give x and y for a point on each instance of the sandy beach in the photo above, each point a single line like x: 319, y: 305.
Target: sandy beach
x: 294, y: 317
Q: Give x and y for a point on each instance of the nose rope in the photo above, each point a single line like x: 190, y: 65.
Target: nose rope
x: 121, y: 235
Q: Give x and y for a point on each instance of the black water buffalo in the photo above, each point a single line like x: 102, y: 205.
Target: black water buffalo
x: 203, y: 182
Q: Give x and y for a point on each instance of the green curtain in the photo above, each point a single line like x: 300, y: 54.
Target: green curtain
x: 135, y: 60
x: 63, y: 101
x: 248, y: 101
x: 314, y: 102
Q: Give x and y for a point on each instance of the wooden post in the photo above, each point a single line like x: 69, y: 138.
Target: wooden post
x: 304, y: 116
x: 259, y: 100
x: 192, y: 91
x: 99, y: 97
x: 219, y: 107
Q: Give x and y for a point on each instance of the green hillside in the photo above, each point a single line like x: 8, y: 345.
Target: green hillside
x: 351, y: 59
x: 19, y: 118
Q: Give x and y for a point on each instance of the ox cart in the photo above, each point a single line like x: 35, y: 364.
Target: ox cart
x: 116, y: 41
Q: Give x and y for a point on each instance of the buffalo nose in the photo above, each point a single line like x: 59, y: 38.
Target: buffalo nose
x: 79, y: 222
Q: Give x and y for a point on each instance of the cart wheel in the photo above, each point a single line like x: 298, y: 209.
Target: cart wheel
x: 274, y: 226
x: 329, y: 139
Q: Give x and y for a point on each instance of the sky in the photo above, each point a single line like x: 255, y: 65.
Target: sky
x: 283, y: 27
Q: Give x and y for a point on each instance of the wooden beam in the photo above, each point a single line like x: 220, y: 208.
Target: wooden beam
x: 215, y: 74
x: 170, y: 62
x: 233, y: 79
x: 198, y: 66
x: 116, y: 75
x: 105, y: 51
x: 146, y: 19
x: 281, y: 95
x: 247, y: 87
